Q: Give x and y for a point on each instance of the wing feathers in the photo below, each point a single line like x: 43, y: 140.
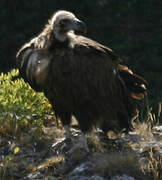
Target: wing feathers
x: 135, y: 84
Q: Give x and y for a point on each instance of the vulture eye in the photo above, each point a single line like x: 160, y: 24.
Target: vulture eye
x: 64, y: 21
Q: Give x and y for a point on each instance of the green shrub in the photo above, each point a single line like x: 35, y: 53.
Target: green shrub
x: 20, y: 105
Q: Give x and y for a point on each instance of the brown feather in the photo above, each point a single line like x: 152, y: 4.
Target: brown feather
x: 83, y: 78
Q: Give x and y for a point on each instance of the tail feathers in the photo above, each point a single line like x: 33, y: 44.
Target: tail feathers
x: 135, y: 84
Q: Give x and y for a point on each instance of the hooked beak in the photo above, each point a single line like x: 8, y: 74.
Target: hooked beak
x: 77, y: 25
x: 80, y: 26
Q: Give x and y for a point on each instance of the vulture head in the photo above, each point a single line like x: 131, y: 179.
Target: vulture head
x: 63, y: 22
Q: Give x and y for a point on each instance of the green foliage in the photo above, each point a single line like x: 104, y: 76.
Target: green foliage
x: 20, y: 105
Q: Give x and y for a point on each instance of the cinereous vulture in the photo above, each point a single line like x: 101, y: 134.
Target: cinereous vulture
x: 80, y: 76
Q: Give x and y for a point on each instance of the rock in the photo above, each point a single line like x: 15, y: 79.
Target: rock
x: 123, y: 177
x: 34, y: 175
x: 39, y: 174
x: 157, y: 128
x: 94, y: 177
x: 82, y: 172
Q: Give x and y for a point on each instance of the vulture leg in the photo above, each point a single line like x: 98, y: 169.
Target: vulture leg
x: 80, y: 144
x: 84, y: 124
x: 67, y: 132
x: 83, y: 142
x: 66, y: 119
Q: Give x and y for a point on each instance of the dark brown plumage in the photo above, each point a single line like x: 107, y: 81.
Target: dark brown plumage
x: 79, y: 76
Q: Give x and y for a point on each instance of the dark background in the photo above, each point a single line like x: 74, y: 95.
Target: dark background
x: 133, y: 29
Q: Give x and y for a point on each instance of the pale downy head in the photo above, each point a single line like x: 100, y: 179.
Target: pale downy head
x: 63, y: 22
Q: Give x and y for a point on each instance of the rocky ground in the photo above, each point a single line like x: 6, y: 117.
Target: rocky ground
x: 47, y: 155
